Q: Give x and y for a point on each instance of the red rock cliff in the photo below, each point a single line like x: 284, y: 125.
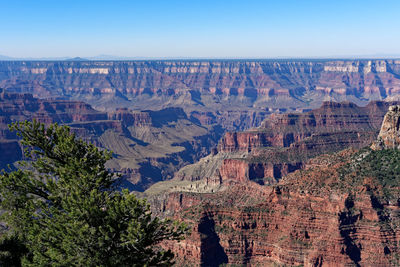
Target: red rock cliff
x: 342, y: 209
x: 308, y: 219
x: 285, y: 129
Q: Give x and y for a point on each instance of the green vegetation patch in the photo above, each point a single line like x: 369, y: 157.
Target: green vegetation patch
x: 382, y: 167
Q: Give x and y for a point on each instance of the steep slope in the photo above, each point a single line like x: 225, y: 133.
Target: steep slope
x: 152, y: 150
x: 148, y: 146
x: 341, y: 209
x: 284, y: 142
x: 389, y: 135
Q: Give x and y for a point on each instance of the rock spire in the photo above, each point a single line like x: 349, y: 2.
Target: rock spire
x: 389, y: 135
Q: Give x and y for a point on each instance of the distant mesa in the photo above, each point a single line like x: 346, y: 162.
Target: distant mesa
x: 77, y: 59
x: 205, y: 85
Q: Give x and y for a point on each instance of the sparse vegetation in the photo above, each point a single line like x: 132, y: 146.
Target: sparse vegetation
x: 382, y: 166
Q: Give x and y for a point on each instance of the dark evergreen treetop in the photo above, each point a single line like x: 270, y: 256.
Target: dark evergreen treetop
x: 62, y: 208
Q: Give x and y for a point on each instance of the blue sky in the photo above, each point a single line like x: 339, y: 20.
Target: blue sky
x: 199, y: 28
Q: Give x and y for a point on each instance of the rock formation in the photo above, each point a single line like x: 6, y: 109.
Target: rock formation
x: 208, y: 89
x: 389, y: 135
x: 148, y: 146
x: 284, y: 142
x: 341, y: 209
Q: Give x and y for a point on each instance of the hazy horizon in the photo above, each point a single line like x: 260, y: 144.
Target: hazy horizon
x: 123, y: 58
x: 156, y: 29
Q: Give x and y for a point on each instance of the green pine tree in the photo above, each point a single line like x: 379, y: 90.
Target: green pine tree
x: 62, y: 208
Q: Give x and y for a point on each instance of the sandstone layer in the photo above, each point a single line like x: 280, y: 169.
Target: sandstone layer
x: 284, y: 142
x: 340, y: 209
x: 208, y: 87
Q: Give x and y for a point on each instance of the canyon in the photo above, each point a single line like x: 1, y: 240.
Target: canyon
x: 148, y: 146
x: 284, y: 142
x: 206, y: 86
x: 339, y: 209
x: 268, y: 161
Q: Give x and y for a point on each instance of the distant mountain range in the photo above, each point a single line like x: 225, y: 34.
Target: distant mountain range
x: 122, y: 58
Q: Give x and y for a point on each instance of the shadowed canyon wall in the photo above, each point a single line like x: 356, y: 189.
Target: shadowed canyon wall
x: 148, y: 146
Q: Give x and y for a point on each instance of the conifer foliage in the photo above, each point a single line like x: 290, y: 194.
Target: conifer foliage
x: 62, y: 208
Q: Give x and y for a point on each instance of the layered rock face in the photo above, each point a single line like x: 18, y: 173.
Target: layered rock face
x: 16, y: 106
x: 148, y: 146
x: 389, y: 135
x: 284, y: 142
x: 207, y: 87
x: 235, y: 94
x: 341, y: 209
x: 284, y: 130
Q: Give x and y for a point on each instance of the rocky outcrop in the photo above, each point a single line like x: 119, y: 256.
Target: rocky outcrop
x: 389, y: 135
x: 231, y: 120
x: 263, y: 172
x: 130, y: 118
x: 234, y: 169
x: 337, y: 212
